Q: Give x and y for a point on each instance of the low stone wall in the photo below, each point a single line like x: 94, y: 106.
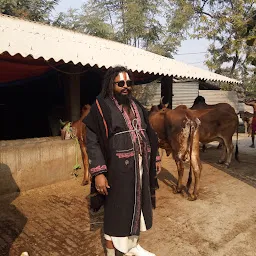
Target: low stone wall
x: 31, y: 163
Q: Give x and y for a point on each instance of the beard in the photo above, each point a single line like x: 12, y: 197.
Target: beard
x: 123, y: 99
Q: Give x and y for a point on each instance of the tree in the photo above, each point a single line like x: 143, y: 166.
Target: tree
x: 133, y: 22
x: 36, y: 10
x: 90, y: 20
x: 251, y: 36
x: 225, y: 24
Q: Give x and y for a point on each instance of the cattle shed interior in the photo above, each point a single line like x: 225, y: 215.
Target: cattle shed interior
x: 35, y: 94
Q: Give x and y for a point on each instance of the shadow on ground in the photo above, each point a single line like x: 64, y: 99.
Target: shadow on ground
x: 96, y: 222
x: 243, y: 170
x: 167, y: 178
x: 12, y: 221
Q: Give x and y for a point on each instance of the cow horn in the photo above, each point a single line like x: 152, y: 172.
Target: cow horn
x: 161, y: 100
x: 62, y: 123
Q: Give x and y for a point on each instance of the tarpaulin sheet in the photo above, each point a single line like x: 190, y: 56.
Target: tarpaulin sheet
x: 14, y: 68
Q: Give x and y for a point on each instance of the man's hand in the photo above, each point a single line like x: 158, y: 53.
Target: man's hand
x: 101, y: 184
x: 158, y: 167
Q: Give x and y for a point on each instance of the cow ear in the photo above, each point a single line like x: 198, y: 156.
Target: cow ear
x: 161, y: 100
x: 162, y: 104
x: 62, y: 123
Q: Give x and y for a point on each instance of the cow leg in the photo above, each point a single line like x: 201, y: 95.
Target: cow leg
x: 197, y: 168
x: 223, y: 157
x: 246, y: 128
x: 180, y: 169
x: 189, y: 178
x: 86, y: 165
x: 249, y: 130
x: 230, y: 148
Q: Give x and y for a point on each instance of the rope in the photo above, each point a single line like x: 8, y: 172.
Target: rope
x: 136, y: 130
x: 101, y: 113
x: 65, y: 72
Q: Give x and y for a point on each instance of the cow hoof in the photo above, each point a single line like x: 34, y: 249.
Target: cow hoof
x: 84, y: 183
x: 176, y: 190
x: 192, y: 198
x: 227, y: 165
x: 184, y: 193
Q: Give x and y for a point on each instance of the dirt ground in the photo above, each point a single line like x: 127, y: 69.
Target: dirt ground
x: 54, y: 220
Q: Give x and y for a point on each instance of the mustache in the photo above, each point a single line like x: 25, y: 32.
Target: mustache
x: 126, y: 89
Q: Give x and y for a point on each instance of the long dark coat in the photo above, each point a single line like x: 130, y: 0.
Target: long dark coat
x: 115, y: 152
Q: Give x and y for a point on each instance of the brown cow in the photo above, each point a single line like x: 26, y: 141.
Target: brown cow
x: 199, y: 103
x: 178, y: 134
x: 218, y: 123
x: 77, y: 130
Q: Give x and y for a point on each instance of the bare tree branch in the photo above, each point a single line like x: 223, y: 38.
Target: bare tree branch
x: 235, y: 60
x: 205, y: 13
x: 232, y: 5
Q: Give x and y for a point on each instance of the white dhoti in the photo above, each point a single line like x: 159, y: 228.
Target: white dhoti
x: 125, y: 244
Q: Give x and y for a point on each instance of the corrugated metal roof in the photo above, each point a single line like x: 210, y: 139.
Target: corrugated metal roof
x: 38, y: 40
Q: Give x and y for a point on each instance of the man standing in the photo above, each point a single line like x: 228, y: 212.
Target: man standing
x: 123, y: 162
x: 252, y: 103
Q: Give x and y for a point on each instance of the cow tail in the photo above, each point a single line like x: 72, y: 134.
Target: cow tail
x: 190, y: 140
x: 237, y: 152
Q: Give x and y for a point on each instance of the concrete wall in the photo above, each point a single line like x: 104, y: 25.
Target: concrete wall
x: 31, y: 163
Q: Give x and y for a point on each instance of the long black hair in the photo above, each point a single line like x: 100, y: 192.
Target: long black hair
x: 109, y: 78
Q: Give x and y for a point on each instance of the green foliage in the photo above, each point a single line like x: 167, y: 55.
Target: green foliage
x: 230, y: 26
x: 90, y: 20
x: 134, y: 22
x: 36, y: 10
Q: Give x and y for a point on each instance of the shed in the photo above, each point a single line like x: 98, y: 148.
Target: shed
x: 48, y: 73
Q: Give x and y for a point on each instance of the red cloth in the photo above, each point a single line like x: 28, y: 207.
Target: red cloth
x: 18, y: 71
x: 16, y: 67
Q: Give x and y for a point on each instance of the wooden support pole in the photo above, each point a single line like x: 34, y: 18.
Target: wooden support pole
x: 167, y: 90
x: 72, y: 93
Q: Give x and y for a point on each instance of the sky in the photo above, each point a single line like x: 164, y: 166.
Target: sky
x: 191, y: 51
